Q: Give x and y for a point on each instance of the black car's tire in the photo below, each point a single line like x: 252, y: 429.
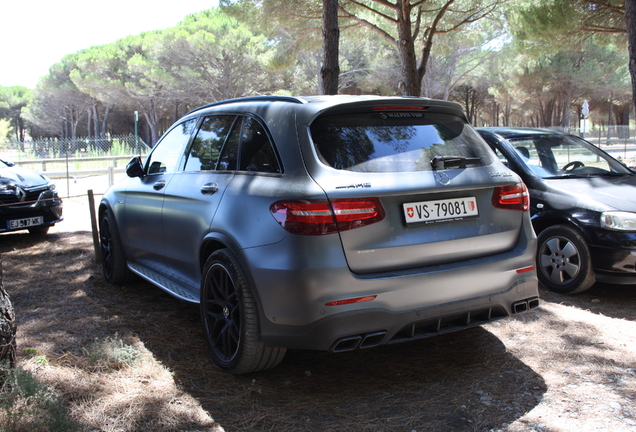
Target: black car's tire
x: 39, y: 230
x: 113, y: 259
x: 563, y: 260
x: 230, y: 318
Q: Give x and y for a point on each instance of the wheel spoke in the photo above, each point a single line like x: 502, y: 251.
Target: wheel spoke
x: 571, y: 269
x: 106, y: 247
x: 546, y: 261
x: 569, y: 250
x: 556, y: 275
x: 222, y: 313
x: 553, y: 245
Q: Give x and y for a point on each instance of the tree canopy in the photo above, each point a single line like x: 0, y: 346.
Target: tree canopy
x: 507, y: 63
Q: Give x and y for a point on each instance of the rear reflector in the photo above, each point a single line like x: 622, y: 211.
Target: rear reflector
x: 511, y: 197
x: 526, y: 269
x: 350, y: 301
x: 319, y: 217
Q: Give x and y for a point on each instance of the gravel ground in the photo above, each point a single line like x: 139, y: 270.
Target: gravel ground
x: 569, y: 365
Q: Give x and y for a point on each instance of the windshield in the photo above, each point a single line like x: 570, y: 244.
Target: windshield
x: 555, y: 156
x: 397, y: 142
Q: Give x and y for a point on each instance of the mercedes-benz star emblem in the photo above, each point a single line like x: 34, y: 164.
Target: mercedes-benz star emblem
x: 442, y: 178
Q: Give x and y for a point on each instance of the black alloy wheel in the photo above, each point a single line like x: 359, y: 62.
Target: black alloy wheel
x: 113, y: 260
x: 563, y: 260
x: 230, y: 318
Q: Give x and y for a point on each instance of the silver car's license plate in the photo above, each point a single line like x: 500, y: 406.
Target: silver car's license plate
x: 26, y: 222
x: 440, y: 210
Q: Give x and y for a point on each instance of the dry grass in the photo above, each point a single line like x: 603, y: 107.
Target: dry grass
x: 133, y: 359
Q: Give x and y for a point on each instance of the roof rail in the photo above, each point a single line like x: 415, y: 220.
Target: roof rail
x: 290, y: 99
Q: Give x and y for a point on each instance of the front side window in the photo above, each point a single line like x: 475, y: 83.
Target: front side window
x: 376, y: 142
x: 168, y: 153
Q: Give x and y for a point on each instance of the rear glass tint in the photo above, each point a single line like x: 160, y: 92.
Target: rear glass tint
x: 391, y: 142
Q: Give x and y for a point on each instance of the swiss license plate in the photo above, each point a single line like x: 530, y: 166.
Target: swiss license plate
x: 26, y: 222
x: 440, y: 210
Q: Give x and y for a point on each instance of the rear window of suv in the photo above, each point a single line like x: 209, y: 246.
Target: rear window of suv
x: 390, y: 142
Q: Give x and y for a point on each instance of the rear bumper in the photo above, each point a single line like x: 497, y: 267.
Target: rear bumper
x: 372, y: 327
x: 295, y: 292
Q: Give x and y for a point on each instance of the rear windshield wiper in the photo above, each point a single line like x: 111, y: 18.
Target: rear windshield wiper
x: 445, y: 162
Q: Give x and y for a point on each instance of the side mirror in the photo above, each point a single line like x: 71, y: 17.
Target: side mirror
x: 135, y: 168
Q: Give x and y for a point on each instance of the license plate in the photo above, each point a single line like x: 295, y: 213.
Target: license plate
x: 440, y: 210
x: 26, y: 222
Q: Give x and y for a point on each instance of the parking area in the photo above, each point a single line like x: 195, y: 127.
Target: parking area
x: 569, y: 365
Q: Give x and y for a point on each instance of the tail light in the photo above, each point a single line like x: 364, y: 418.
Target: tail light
x: 319, y: 217
x: 511, y: 197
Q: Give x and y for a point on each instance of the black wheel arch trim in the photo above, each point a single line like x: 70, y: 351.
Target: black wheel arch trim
x: 543, y: 220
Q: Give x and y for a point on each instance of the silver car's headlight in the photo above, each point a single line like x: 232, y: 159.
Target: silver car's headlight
x: 619, y: 221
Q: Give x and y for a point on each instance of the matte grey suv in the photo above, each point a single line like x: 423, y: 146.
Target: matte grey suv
x: 327, y: 223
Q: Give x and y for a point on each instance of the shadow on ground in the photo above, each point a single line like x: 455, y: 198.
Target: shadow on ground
x: 461, y: 381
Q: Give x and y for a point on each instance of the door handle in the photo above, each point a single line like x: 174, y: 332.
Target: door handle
x: 209, y: 188
x: 159, y: 185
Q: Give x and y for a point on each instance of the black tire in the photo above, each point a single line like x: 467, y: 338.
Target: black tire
x: 563, y: 260
x: 230, y: 318
x: 113, y: 260
x: 39, y: 230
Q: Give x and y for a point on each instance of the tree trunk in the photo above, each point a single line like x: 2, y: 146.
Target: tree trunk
x: 330, y: 70
x: 7, y: 326
x: 630, y: 21
x: 411, y: 84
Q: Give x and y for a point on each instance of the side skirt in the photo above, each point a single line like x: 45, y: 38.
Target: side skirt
x: 167, y: 284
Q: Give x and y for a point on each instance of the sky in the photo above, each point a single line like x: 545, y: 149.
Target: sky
x: 35, y: 34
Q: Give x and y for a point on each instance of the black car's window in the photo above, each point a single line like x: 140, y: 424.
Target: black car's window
x: 168, y: 152
x: 556, y: 155
x: 394, y: 142
x: 208, y: 143
x: 540, y: 164
x: 257, y: 152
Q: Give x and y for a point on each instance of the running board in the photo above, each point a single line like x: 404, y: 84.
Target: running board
x: 167, y: 284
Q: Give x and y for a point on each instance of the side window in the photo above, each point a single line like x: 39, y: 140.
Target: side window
x: 208, y: 143
x: 229, y: 155
x: 169, y: 150
x: 257, y: 152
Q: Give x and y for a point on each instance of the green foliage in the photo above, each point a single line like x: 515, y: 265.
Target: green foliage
x: 549, y: 25
x: 27, y: 405
x: 5, y: 130
x: 249, y: 47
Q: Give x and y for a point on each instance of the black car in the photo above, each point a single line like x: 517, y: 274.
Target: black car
x: 583, y: 206
x: 28, y: 200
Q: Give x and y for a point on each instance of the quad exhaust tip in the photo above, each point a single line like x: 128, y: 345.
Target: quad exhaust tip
x: 525, y: 305
x: 359, y: 341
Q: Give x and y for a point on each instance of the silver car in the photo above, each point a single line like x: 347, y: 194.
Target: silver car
x: 327, y: 223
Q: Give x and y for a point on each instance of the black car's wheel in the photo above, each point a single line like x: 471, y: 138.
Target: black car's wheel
x: 113, y: 260
x: 230, y: 318
x: 39, y: 230
x: 563, y: 260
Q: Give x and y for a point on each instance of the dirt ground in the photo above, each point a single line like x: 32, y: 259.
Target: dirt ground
x: 569, y: 365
